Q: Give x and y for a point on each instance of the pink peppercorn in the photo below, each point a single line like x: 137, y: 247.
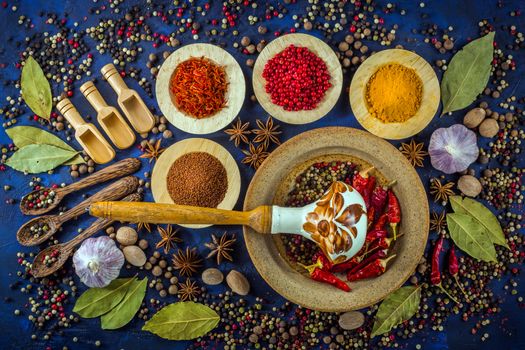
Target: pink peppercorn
x: 296, y: 79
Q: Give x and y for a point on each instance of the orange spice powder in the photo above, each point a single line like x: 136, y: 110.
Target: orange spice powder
x: 394, y: 93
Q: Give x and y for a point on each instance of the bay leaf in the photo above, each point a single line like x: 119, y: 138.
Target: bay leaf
x: 467, y: 74
x: 396, y: 308
x: 98, y: 301
x: 36, y: 91
x: 182, y: 321
x: 470, y: 236
x: 123, y: 313
x: 29, y: 135
x: 483, y: 215
x: 39, y: 158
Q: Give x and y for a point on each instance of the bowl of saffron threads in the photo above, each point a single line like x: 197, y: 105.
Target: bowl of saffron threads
x: 394, y: 94
x: 200, y: 88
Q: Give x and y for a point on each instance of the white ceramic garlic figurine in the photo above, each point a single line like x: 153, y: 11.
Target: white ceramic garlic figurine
x: 337, y: 222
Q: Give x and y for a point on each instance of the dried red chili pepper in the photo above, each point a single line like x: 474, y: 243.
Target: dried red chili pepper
x: 374, y: 235
x: 453, y: 268
x: 381, y: 243
x: 325, y: 263
x: 380, y: 254
x: 393, y: 212
x: 370, y: 216
x: 326, y: 277
x: 349, y: 264
x: 361, y: 183
x: 376, y: 268
x: 379, y: 197
x: 435, y: 272
x: 381, y: 222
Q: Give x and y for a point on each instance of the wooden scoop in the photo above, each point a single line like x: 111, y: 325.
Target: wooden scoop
x: 109, y: 117
x: 87, y: 134
x: 129, y: 101
x: 120, y: 168
x: 337, y: 222
x: 52, y: 223
x: 63, y: 251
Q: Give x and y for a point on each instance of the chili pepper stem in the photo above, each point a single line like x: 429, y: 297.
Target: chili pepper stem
x: 447, y: 293
x: 391, y: 183
x: 364, y: 173
x: 311, y: 268
x: 461, y: 287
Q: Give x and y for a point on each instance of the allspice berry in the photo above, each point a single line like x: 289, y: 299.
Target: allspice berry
x: 474, y: 117
x: 469, y: 185
x: 489, y: 128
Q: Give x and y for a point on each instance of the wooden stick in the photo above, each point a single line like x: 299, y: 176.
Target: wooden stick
x: 260, y: 218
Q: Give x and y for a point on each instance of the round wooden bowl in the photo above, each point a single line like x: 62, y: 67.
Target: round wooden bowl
x: 429, y: 101
x: 275, y: 179
x: 321, y: 49
x: 234, y: 95
x: 159, y: 186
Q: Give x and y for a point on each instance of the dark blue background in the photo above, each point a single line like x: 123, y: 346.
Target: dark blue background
x: 462, y: 15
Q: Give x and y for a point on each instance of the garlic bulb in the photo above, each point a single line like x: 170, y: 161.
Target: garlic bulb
x: 453, y: 149
x: 98, y: 261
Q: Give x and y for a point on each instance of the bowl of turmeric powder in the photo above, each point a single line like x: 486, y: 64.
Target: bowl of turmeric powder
x: 394, y: 94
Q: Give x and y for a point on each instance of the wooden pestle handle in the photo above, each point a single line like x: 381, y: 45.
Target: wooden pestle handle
x: 115, y: 191
x: 99, y: 224
x: 122, y: 167
x: 260, y: 218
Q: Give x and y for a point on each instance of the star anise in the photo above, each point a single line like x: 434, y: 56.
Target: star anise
x: 187, y: 262
x: 221, y: 247
x: 238, y: 132
x: 441, y: 191
x: 255, y: 155
x: 188, y: 290
x: 438, y: 222
x: 143, y: 225
x: 152, y: 151
x: 266, y: 132
x: 168, y: 238
x: 414, y: 152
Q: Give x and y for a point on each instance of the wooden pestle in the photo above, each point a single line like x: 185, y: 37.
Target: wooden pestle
x: 129, y: 101
x: 109, y: 117
x: 260, y: 219
x: 87, y: 134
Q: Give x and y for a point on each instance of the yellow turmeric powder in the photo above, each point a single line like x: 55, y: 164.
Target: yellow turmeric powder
x: 393, y: 93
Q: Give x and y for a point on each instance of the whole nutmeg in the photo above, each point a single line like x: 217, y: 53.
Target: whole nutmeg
x: 238, y: 283
x: 469, y: 185
x: 351, y: 320
x: 474, y: 117
x: 134, y: 255
x: 212, y: 276
x: 127, y: 235
x: 489, y: 128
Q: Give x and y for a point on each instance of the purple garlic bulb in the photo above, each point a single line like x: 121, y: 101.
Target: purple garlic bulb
x: 98, y: 261
x: 453, y: 149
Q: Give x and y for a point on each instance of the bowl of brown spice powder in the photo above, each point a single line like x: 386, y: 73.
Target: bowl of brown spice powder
x: 196, y: 172
x: 394, y: 94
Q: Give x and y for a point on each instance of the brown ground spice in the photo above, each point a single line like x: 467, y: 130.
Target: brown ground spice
x: 197, y: 178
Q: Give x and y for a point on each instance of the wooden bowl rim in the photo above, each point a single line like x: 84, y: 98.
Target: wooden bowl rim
x: 158, y: 176
x: 321, y: 49
x: 234, y: 95
x: 429, y: 102
x: 286, y: 281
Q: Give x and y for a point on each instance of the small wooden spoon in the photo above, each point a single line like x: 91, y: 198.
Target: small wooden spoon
x: 120, y: 168
x: 64, y: 250
x: 115, y: 191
